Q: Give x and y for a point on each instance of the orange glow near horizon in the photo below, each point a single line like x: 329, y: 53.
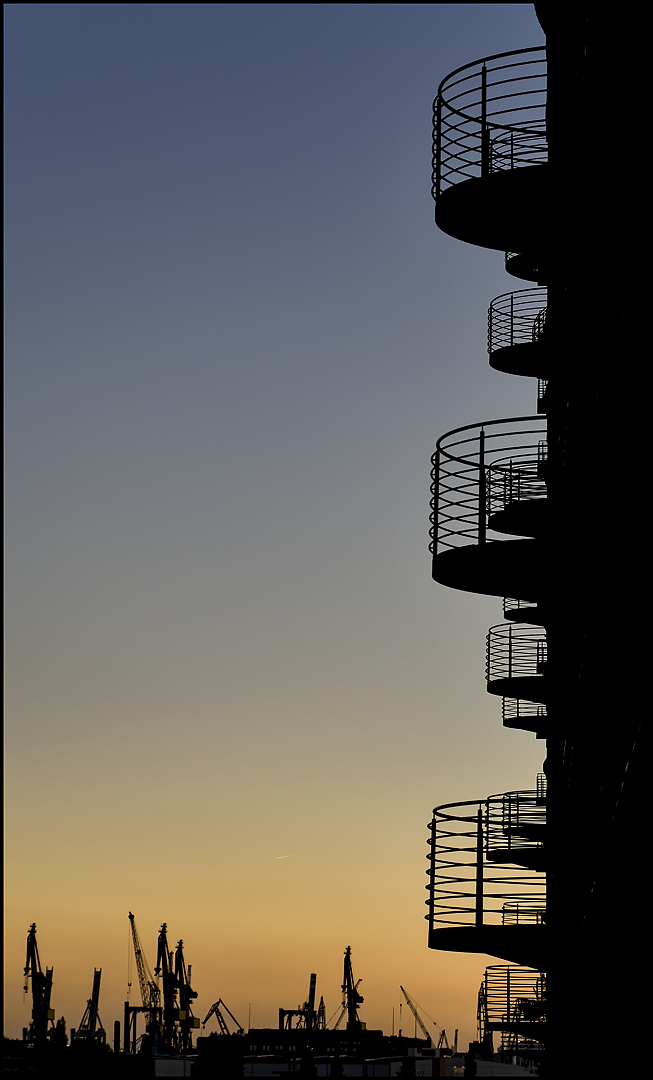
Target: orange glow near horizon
x: 234, y: 693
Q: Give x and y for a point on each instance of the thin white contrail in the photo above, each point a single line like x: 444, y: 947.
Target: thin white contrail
x: 284, y: 857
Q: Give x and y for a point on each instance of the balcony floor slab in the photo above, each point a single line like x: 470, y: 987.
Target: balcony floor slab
x: 527, y: 358
x: 502, y: 568
x: 523, y: 687
x: 525, y: 945
x: 506, y: 211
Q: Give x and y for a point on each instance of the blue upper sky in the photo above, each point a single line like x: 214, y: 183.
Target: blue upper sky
x: 233, y: 336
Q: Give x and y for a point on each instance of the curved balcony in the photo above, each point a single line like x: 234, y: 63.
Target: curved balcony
x: 488, y: 484
x: 527, y: 266
x: 516, y: 333
x: 515, y: 610
x: 525, y: 716
x: 486, y: 890
x: 515, y: 828
x: 512, y: 1002
x: 490, y: 152
x: 516, y: 662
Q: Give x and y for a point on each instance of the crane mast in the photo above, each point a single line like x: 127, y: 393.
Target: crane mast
x: 413, y: 1009
x: 307, y: 1017
x: 352, y: 999
x: 91, y: 1025
x: 165, y: 971
x: 150, y: 993
x: 42, y: 1014
x: 186, y: 996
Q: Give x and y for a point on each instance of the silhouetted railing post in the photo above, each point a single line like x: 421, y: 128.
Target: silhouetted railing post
x: 510, y: 652
x: 485, y: 134
x: 512, y: 319
x: 432, y: 855
x: 479, y: 869
x: 482, y: 493
x: 438, y: 144
x: 435, y: 488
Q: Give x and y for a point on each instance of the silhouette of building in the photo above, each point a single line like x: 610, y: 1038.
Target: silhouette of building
x: 538, y: 154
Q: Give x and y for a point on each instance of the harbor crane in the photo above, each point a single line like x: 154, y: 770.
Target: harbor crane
x: 413, y: 1008
x: 443, y: 1042
x: 91, y: 1026
x: 215, y: 1010
x: 165, y: 971
x: 150, y: 997
x: 351, y: 998
x: 187, y: 995
x: 308, y: 1017
x: 42, y: 1014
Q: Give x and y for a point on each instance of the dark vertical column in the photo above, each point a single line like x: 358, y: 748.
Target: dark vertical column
x: 596, y: 553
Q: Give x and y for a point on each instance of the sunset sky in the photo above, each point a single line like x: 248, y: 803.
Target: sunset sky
x: 234, y: 334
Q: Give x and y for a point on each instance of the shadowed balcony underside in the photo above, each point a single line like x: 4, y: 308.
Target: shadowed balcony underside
x: 535, y: 724
x: 528, y: 857
x: 504, y: 568
x: 528, y: 266
x: 521, y: 518
x: 525, y: 945
x: 527, y: 687
x: 505, y: 211
x: 527, y: 358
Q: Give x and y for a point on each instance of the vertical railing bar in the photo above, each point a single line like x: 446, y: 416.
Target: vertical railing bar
x: 479, y: 869
x: 485, y: 140
x: 482, y: 497
x: 436, y: 500
x: 432, y: 873
x: 438, y: 144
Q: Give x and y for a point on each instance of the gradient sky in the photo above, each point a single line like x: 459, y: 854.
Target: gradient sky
x: 233, y: 336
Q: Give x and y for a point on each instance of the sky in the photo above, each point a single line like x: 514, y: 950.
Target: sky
x: 233, y: 335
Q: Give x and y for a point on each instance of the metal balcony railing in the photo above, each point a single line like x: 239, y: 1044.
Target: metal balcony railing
x: 512, y: 1002
x: 515, y: 651
x: 481, y: 469
x: 518, y: 610
x: 524, y: 914
x: 515, y: 824
x: 515, y: 711
x: 516, y: 318
x: 467, y: 886
x: 490, y: 116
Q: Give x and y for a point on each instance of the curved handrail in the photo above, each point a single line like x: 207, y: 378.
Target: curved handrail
x: 516, y: 318
x: 490, y: 119
x: 512, y: 605
x: 480, y: 469
x: 511, y: 999
x: 515, y: 824
x: 515, y: 650
x: 514, y: 710
x: 468, y: 885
